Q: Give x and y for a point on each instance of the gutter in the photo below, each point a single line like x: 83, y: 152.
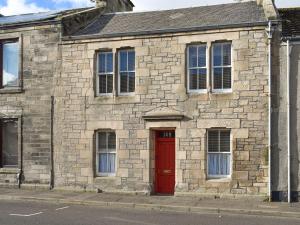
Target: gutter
x: 164, y: 31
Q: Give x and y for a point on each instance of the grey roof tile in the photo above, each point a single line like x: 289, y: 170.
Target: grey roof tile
x: 35, y: 17
x: 195, y: 18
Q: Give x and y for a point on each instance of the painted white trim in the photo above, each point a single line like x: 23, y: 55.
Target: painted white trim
x: 119, y: 72
x: 223, y: 90
x: 230, y: 152
x: 102, y: 74
x: 196, y: 91
x: 97, y: 152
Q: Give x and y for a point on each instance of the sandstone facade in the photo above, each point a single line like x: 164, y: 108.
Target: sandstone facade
x: 161, y: 83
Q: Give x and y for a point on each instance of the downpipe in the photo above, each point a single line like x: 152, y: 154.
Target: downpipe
x: 19, y: 178
x: 270, y: 30
x: 288, y: 119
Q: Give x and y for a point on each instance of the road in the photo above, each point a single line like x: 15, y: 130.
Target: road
x: 39, y: 213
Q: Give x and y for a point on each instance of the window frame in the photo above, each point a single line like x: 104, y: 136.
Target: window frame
x: 19, y: 80
x: 128, y: 71
x: 230, y: 152
x: 98, y: 74
x: 197, y: 91
x: 222, y: 90
x: 18, y: 120
x: 100, y: 174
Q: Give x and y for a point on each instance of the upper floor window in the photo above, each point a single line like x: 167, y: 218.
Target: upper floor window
x: 9, y: 143
x: 9, y: 63
x: 219, y: 153
x: 221, y: 70
x: 197, y: 71
x: 105, y: 73
x: 126, y: 71
x: 106, y: 153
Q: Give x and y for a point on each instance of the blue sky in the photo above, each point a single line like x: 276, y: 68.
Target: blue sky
x: 12, y: 7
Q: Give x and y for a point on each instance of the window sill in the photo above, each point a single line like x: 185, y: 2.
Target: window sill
x: 15, y: 90
x: 228, y: 91
x: 123, y: 99
x: 200, y: 92
x: 108, y: 177
x: 218, y: 179
x: 7, y: 170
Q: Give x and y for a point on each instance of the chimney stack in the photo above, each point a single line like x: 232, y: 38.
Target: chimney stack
x: 100, y: 3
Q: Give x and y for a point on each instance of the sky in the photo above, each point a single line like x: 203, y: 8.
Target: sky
x: 13, y: 7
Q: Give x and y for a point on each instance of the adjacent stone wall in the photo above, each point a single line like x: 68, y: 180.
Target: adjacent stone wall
x: 39, y: 52
x: 160, y: 82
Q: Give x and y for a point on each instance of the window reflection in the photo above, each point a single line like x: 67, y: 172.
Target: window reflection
x: 10, y: 64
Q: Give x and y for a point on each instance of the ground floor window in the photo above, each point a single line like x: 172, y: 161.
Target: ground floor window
x: 106, y: 153
x: 8, y: 143
x: 219, y: 153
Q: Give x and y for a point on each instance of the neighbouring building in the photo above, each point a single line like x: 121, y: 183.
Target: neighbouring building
x: 29, y: 61
x: 285, y: 159
x: 168, y: 102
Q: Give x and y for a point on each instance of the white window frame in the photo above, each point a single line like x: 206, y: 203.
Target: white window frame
x: 98, y: 74
x: 99, y: 174
x: 197, y: 91
x: 223, y: 90
x: 128, y: 71
x: 207, y: 153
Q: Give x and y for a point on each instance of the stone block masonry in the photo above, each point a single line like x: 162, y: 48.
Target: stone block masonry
x: 32, y: 102
x: 161, y: 82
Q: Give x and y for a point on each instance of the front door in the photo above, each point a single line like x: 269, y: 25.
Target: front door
x: 165, y: 162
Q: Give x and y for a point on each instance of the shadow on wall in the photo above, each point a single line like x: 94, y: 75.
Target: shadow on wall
x: 275, y: 118
x: 294, y: 113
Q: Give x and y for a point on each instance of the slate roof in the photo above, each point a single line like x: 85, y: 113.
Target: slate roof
x: 35, y: 17
x: 290, y: 22
x: 176, y: 20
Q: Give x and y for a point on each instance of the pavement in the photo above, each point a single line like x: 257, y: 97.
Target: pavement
x: 191, y: 204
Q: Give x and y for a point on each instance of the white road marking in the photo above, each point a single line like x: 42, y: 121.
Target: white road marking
x: 129, y: 221
x: 62, y: 208
x: 26, y: 215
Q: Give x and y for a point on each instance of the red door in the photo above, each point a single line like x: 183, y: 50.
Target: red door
x: 165, y: 162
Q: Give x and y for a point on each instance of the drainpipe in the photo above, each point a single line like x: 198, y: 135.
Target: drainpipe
x: 270, y: 37
x: 51, y: 146
x: 288, y: 118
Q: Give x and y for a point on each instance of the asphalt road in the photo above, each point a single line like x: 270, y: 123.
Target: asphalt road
x: 32, y: 213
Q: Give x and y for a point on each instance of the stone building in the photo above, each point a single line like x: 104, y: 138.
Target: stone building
x: 29, y: 53
x: 167, y: 102
x: 285, y: 124
x: 171, y: 101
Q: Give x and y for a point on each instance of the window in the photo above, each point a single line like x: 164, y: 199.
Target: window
x: 197, y: 68
x: 105, y: 73
x: 9, y: 143
x: 106, y: 153
x: 221, y: 66
x: 219, y: 153
x: 9, y: 76
x: 126, y: 71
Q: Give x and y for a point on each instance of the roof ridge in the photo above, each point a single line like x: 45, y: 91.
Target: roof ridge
x: 174, y: 9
